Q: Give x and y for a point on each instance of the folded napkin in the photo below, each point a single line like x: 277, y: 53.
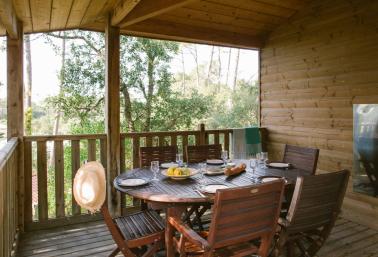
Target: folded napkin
x: 235, y: 170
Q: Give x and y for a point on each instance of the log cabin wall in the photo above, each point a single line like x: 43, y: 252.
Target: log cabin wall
x: 313, y: 69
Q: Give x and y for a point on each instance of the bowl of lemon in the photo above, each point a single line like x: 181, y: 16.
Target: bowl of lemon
x: 179, y: 173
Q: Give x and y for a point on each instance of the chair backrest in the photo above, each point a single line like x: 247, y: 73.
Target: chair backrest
x: 317, y: 200
x: 246, y: 213
x: 302, y: 158
x: 156, y: 153
x: 201, y: 153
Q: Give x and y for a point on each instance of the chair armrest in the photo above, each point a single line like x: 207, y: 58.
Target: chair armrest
x: 189, y: 233
x: 283, y: 222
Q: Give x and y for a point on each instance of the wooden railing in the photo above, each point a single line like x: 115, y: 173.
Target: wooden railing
x: 8, y: 197
x: 50, y: 163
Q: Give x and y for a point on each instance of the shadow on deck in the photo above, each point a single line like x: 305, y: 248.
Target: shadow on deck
x: 348, y: 239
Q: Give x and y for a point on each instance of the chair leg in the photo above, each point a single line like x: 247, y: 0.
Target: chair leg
x: 115, y: 252
x: 152, y: 249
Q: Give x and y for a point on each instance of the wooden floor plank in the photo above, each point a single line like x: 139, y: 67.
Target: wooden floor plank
x: 348, y: 239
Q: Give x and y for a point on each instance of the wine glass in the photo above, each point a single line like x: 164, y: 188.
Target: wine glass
x: 253, y: 165
x: 224, y: 157
x: 179, y: 159
x: 155, y: 169
x: 202, y: 169
x: 264, y: 157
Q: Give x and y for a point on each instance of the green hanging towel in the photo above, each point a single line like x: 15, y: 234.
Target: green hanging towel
x: 252, y: 140
x: 252, y: 136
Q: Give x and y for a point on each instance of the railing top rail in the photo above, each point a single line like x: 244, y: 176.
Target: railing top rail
x: 123, y: 135
x: 7, y: 150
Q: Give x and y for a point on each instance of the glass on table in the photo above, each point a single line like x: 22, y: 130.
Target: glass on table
x: 224, y: 157
x: 264, y: 158
x: 155, y: 169
x: 253, y: 163
x: 179, y: 159
x: 202, y: 171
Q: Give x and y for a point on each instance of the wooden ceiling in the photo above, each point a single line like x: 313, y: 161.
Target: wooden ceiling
x: 239, y: 23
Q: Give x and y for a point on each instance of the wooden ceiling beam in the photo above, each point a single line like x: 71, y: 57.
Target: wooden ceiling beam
x: 122, y: 10
x: 147, y: 9
x: 158, y: 29
x: 8, y: 18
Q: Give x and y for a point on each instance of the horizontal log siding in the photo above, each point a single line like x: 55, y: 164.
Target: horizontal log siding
x: 313, y: 69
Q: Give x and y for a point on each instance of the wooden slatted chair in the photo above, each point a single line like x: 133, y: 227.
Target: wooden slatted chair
x: 201, y: 153
x: 302, y: 158
x: 312, y: 214
x: 244, y: 221
x: 139, y: 234
x: 197, y: 154
x: 156, y: 153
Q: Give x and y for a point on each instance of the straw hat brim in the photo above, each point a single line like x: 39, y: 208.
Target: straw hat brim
x: 89, y: 186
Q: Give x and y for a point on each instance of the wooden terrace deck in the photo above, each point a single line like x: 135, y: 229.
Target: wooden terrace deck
x: 348, y: 239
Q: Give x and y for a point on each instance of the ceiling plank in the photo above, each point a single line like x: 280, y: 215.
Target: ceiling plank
x: 8, y: 18
x: 123, y: 9
x: 150, y: 8
x: 154, y: 28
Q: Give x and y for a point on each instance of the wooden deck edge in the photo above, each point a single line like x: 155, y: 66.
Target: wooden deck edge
x: 54, y: 223
x: 360, y: 212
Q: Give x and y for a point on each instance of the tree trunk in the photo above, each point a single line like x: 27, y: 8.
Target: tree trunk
x: 219, y: 69
x: 210, y: 64
x: 28, y: 88
x: 183, y: 72
x: 228, y: 65
x: 127, y: 109
x: 197, y: 68
x: 61, y: 80
x: 150, y: 74
x: 236, y: 70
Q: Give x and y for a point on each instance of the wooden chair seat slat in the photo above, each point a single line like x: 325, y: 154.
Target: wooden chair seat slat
x: 139, y: 225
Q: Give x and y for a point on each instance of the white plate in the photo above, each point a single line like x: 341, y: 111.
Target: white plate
x: 192, y: 173
x: 132, y: 182
x: 265, y: 180
x: 214, y: 162
x: 214, y: 171
x: 168, y: 165
x: 279, y: 165
x: 212, y: 188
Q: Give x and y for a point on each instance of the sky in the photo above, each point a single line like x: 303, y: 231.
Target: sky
x: 46, y: 64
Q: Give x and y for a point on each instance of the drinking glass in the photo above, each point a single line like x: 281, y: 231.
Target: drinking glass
x: 253, y: 164
x: 264, y: 157
x: 202, y: 170
x: 179, y: 159
x: 155, y: 169
x: 224, y: 157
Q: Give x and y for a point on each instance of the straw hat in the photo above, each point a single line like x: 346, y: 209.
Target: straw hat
x: 89, y: 187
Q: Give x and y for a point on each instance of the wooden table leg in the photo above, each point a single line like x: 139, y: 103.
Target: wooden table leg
x: 169, y: 230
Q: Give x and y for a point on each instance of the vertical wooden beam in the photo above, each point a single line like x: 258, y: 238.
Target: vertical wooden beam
x: 202, y: 135
x: 112, y: 106
x: 15, y: 92
x: 15, y: 108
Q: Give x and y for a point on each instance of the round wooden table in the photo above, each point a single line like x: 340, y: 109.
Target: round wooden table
x: 170, y: 191
x: 177, y: 194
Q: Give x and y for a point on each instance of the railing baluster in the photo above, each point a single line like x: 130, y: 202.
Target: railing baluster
x: 148, y: 140
x: 42, y: 180
x: 198, y: 139
x: 92, y: 149
x: 173, y: 140
x: 216, y: 138
x: 103, y: 155
x: 28, y: 208
x: 75, y: 165
x: 59, y: 178
x: 161, y: 140
x: 227, y: 141
x: 136, y: 151
x: 184, y: 145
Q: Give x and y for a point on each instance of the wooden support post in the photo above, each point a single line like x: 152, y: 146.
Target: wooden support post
x: 112, y: 110
x: 15, y: 108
